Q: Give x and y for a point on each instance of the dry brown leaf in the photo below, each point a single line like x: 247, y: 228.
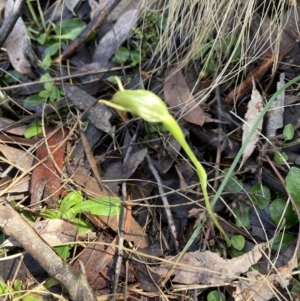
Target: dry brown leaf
x: 178, y: 96
x: 54, y: 231
x: 46, y: 177
x: 209, y: 268
x: 135, y: 233
x: 258, y: 287
x: 275, y: 114
x: 72, y: 5
x: 110, y: 43
x: 18, y: 130
x: 18, y: 45
x: 255, y: 107
x: 18, y: 158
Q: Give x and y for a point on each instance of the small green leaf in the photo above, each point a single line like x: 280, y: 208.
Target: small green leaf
x: 63, y: 251
x: 280, y: 157
x: 106, y: 206
x: 260, y: 196
x: 296, y: 288
x: 121, y: 56
x: 50, y: 214
x: 50, y: 282
x: 238, y: 242
x: 242, y: 215
x: 44, y: 94
x: 48, y: 86
x: 33, y: 129
x: 82, y: 226
x: 54, y: 93
x: 52, y: 49
x: 293, y: 185
x: 47, y: 61
x: 112, y: 79
x: 33, y: 100
x: 233, y: 185
x: 69, y: 24
x: 12, y: 76
x: 135, y: 57
x: 42, y: 38
x: 216, y: 296
x: 72, y: 35
x: 3, y: 288
x: 71, y: 199
x: 32, y: 298
x: 203, y: 50
x: 289, y: 132
x: 18, y: 284
x: 276, y: 212
x: 45, y: 76
x: 281, y: 241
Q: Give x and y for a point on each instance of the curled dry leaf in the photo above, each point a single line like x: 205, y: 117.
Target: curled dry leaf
x: 179, y: 97
x: 275, y: 114
x: 259, y: 287
x: 209, y: 268
x: 46, y: 177
x: 20, y: 159
x: 255, y: 107
x: 16, y: 130
x: 18, y: 45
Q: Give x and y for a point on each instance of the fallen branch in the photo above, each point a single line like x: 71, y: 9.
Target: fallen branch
x: 71, y: 277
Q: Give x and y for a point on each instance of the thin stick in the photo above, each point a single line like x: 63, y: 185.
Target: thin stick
x: 165, y: 201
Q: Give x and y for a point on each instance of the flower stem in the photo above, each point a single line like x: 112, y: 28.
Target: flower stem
x: 173, y: 127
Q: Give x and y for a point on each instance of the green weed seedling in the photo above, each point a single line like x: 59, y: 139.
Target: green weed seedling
x: 123, y: 56
x: 71, y: 207
x: 288, y: 133
x: 151, y: 108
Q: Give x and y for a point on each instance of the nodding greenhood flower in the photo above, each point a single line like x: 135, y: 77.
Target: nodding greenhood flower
x: 142, y: 103
x: 151, y: 108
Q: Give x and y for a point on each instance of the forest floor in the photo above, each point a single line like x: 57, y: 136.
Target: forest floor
x: 102, y: 196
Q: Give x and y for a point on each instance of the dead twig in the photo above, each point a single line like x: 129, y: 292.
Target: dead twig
x: 72, y: 278
x: 122, y: 226
x: 165, y: 202
x: 91, y: 159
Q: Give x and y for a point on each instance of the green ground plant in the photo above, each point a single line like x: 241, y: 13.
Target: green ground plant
x: 288, y: 133
x: 71, y: 207
x: 151, y: 108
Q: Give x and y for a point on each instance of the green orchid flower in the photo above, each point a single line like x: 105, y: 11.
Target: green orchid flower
x: 151, y: 108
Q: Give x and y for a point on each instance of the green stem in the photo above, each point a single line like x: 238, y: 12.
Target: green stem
x: 173, y: 127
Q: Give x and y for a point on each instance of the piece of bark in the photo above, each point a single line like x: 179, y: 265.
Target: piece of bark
x: 46, y: 179
x: 73, y: 279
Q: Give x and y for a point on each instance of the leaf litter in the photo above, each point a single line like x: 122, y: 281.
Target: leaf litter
x: 255, y: 107
x: 144, y: 227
